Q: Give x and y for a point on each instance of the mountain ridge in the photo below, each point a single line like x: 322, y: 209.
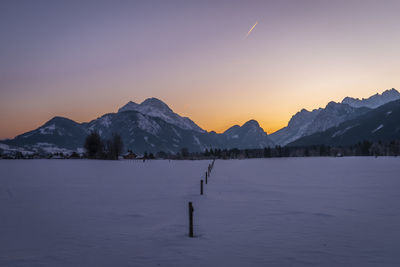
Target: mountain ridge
x: 380, y: 124
x: 147, y: 127
x: 373, y: 101
x: 305, y: 123
x: 153, y: 126
x: 157, y: 108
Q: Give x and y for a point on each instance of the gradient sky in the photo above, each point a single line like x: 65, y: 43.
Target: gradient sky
x: 81, y: 59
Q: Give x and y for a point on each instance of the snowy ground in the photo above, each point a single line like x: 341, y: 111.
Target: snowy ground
x: 267, y: 212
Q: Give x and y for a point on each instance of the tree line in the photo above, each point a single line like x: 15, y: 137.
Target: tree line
x: 97, y: 148
x: 365, y: 148
x: 112, y: 148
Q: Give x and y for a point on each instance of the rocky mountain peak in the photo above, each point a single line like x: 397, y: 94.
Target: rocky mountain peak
x: 373, y: 101
x: 251, y: 124
x: 155, y: 103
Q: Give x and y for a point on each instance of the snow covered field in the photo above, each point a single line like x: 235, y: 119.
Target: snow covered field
x: 265, y: 212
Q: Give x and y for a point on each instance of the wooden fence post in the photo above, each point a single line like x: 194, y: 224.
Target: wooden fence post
x: 201, y: 187
x: 191, y: 209
x: 206, y: 178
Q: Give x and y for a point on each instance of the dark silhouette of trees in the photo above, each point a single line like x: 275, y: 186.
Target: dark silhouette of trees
x: 94, y: 145
x: 267, y: 152
x: 114, y: 147
x: 184, y: 152
x: 365, y: 148
x: 96, y: 148
x: 74, y: 155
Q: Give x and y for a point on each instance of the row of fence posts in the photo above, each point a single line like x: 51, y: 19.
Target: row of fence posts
x: 191, y: 209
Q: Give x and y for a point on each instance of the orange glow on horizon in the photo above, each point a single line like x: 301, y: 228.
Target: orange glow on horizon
x: 193, y: 57
x: 212, y: 117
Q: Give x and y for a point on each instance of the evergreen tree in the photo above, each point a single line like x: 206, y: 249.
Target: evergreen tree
x: 267, y: 152
x: 94, y: 145
x: 117, y: 146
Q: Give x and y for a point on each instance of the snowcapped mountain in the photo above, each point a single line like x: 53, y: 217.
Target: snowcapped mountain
x: 249, y: 135
x: 380, y: 124
x: 332, y: 115
x: 156, y: 108
x: 297, y: 127
x: 141, y: 132
x: 150, y: 126
x: 373, y: 101
x: 57, y: 135
x: 305, y: 122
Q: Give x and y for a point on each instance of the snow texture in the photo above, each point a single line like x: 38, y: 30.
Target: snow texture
x: 148, y: 125
x: 196, y: 140
x: 50, y: 148
x: 48, y: 129
x: 105, y: 121
x: 378, y: 128
x: 266, y: 212
x: 341, y: 132
x: 6, y: 149
x: 156, y: 108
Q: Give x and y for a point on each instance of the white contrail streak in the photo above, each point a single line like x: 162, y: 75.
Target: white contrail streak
x: 251, y: 29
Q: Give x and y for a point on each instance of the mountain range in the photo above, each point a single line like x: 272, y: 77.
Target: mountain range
x: 152, y: 126
x: 305, y: 123
x: 380, y: 124
x: 147, y: 127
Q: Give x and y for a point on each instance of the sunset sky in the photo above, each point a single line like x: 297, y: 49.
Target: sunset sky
x: 82, y: 59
